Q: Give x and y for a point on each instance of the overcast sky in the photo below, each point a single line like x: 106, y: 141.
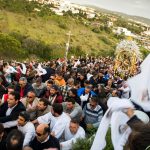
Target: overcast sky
x: 131, y: 7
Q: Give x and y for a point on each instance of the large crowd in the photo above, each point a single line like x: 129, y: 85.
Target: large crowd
x: 49, y: 105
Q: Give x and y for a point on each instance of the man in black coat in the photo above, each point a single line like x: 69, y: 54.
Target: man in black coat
x: 23, y: 87
x: 2, y: 138
x: 10, y: 110
x: 43, y: 139
x: 50, y: 70
x: 2, y: 88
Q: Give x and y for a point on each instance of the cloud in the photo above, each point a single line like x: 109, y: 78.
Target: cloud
x: 138, y: 2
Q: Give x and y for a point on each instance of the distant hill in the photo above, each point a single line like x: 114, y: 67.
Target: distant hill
x: 125, y: 16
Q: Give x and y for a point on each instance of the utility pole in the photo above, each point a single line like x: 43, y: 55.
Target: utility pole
x: 67, y: 45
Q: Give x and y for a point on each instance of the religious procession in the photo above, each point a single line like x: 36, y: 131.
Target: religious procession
x: 54, y: 104
x: 74, y: 77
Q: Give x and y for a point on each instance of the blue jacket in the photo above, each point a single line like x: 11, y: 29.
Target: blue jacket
x: 82, y: 91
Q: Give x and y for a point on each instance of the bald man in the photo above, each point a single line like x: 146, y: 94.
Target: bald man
x: 27, y: 148
x: 43, y: 139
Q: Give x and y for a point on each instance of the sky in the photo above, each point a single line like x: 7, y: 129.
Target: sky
x: 131, y: 7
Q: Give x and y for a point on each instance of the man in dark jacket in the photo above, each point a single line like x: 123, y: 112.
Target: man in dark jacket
x: 2, y: 88
x: 55, y: 95
x: 10, y: 110
x: 50, y: 70
x: 23, y: 87
x: 2, y: 138
x: 43, y: 139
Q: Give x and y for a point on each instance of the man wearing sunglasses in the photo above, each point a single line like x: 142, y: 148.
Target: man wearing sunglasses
x: 43, y: 139
x: 30, y: 102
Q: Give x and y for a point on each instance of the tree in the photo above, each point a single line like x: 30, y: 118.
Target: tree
x: 10, y: 47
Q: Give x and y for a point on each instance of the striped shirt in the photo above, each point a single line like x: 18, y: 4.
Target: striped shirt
x: 92, y: 116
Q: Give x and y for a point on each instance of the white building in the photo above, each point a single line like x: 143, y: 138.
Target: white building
x: 36, y: 9
x: 110, y: 24
x: 120, y: 30
x: 90, y: 15
x: 57, y: 11
x: 147, y: 33
x: 61, y: 6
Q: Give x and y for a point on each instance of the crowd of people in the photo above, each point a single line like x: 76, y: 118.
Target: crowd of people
x: 54, y: 103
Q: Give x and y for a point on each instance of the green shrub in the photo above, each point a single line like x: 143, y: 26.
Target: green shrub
x: 62, y: 25
x: 77, y: 51
x: 10, y: 47
x: 105, y: 40
x: 96, y: 30
x: 85, y: 144
x: 144, y: 52
x: 19, y: 6
x: 18, y: 46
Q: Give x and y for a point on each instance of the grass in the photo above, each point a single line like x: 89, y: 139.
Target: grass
x: 49, y: 31
x: 52, y: 30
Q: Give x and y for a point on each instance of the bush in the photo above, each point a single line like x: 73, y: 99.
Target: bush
x: 85, y: 144
x: 108, y: 52
x: 19, y: 6
x: 96, y: 30
x: 62, y: 25
x: 107, y: 29
x: 10, y: 47
x: 34, y: 47
x: 120, y: 36
x: 144, y: 52
x: 77, y: 51
x: 105, y: 40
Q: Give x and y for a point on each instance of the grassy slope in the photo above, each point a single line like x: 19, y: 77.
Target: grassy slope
x: 47, y: 29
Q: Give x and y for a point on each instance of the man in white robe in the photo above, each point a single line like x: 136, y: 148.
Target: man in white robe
x: 26, y: 127
x: 72, y: 132
x: 57, y: 119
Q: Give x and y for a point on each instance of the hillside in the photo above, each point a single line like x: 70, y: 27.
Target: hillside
x: 27, y: 33
x: 30, y: 28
